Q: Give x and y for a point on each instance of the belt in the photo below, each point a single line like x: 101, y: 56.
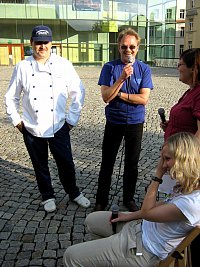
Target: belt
x: 138, y: 232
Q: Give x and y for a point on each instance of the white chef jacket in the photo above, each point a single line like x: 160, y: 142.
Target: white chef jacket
x: 45, y: 90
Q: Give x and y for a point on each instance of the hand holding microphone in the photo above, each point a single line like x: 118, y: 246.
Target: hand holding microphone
x: 115, y: 212
x: 131, y: 60
x: 163, y: 123
x: 128, y: 68
x: 161, y: 112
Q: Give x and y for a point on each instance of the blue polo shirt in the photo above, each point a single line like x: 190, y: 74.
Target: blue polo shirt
x: 119, y: 111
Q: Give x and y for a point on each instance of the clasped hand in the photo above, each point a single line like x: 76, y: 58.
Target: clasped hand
x: 127, y: 71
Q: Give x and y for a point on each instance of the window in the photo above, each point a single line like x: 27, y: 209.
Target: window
x: 152, y: 52
x: 53, y: 50
x: 189, y: 44
x: 191, y: 25
x: 182, y: 32
x: 151, y: 31
x: 181, y: 48
x: 13, y: 1
x: 182, y: 13
x: 193, y: 4
x: 169, y: 13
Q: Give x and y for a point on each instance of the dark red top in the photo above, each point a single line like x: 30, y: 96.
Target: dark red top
x: 184, y: 115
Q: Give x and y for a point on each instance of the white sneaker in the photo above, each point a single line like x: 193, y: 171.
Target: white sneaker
x: 49, y: 205
x: 82, y: 201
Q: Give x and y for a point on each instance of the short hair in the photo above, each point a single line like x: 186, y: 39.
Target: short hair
x: 191, y: 58
x: 128, y: 31
x: 185, y: 149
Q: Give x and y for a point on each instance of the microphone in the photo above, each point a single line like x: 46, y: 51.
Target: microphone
x: 161, y: 112
x: 115, y: 211
x: 131, y: 59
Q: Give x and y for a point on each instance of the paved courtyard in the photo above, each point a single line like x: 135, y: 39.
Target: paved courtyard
x: 29, y: 236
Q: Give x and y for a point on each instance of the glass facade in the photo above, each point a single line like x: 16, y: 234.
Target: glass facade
x: 85, y: 31
x: 161, y: 19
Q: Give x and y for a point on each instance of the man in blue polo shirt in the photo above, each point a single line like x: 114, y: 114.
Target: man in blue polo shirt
x: 125, y: 87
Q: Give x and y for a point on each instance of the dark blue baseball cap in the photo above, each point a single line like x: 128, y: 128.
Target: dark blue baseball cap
x: 41, y: 33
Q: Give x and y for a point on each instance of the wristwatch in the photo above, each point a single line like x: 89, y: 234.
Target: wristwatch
x: 156, y: 179
x: 119, y: 94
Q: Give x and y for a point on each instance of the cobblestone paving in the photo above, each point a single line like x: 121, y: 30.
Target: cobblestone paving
x: 29, y: 236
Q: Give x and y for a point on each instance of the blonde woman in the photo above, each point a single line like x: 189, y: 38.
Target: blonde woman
x: 164, y: 224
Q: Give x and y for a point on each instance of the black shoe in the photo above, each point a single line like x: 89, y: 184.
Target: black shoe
x: 99, y: 207
x: 131, y: 205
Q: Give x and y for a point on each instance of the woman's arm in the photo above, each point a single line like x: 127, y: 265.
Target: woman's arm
x: 162, y: 213
x: 150, y: 210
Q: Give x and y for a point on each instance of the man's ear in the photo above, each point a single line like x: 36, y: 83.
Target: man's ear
x: 31, y: 40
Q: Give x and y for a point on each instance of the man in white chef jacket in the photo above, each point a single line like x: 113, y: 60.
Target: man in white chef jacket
x: 45, y: 81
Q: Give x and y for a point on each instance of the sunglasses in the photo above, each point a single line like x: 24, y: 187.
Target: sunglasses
x: 131, y: 47
x: 41, y: 42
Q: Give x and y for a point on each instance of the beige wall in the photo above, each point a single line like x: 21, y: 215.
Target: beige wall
x: 192, y: 36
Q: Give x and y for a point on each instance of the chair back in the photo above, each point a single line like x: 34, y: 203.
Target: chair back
x: 181, y: 255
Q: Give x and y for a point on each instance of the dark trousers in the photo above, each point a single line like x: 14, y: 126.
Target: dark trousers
x: 113, y: 136
x: 60, y: 148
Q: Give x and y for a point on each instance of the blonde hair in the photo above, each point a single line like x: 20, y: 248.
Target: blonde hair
x: 128, y: 31
x: 185, y: 149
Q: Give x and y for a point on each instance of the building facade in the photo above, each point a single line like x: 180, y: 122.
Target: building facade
x: 192, y: 33
x: 180, y: 27
x: 85, y: 31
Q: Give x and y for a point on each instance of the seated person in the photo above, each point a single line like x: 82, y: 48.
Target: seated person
x: 164, y: 224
